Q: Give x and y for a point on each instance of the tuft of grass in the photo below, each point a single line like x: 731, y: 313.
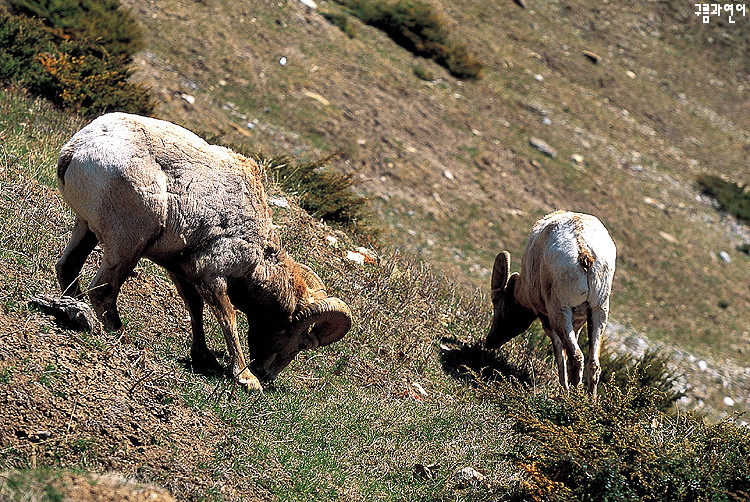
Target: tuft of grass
x: 342, y: 21
x: 421, y: 28
x: 732, y: 197
x: 32, y: 484
x: 323, y: 192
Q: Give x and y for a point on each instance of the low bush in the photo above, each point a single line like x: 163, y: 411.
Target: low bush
x: 732, y: 197
x: 621, y: 447
x: 73, y: 74
x: 420, y: 28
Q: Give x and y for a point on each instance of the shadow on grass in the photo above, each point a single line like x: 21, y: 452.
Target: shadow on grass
x: 474, y: 364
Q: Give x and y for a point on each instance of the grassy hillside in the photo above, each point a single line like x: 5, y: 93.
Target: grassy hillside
x: 408, y: 406
x: 398, y: 408
x: 447, y: 163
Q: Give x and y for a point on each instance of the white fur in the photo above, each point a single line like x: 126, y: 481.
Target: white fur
x: 555, y: 285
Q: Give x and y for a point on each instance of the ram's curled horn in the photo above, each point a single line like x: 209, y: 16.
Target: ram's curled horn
x: 314, y: 284
x: 500, y: 270
x: 330, y: 319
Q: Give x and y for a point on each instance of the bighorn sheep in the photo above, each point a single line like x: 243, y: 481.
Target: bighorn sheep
x: 148, y: 188
x: 565, y: 281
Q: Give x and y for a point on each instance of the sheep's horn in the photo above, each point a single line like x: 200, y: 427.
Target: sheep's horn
x: 331, y: 318
x: 314, y: 284
x: 500, y: 270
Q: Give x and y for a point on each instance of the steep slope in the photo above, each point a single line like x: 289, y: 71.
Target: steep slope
x: 448, y: 164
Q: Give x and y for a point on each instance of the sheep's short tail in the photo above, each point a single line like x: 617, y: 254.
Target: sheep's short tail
x: 63, y: 162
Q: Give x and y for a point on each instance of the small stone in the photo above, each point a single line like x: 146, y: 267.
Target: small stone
x: 547, y: 121
x: 702, y: 365
x: 67, y: 311
x: 448, y: 175
x: 577, y: 158
x: 357, y: 258
x: 668, y: 237
x: 469, y: 476
x: 630, y: 74
x: 725, y: 257
x: 187, y: 98
x: 539, y: 78
x: 543, y: 147
x: 282, y: 60
x: 309, y: 4
x: 279, y: 202
x: 593, y: 57
x: 332, y: 240
x: 728, y: 401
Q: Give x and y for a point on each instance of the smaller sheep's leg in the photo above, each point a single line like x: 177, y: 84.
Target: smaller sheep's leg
x: 201, y: 358
x: 597, y: 322
x: 215, y: 294
x: 69, y: 266
x: 563, y: 325
x: 557, y: 345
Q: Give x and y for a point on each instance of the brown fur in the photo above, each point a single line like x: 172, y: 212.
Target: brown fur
x: 585, y: 258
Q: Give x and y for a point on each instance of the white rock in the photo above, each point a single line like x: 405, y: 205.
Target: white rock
x: 419, y: 389
x: 728, y: 401
x: 357, y: 258
x: 332, y: 240
x: 187, y: 98
x: 309, y: 4
x: 448, y: 175
x: 630, y: 74
x: 282, y: 60
x: 279, y: 202
x: 725, y: 257
x: 702, y: 365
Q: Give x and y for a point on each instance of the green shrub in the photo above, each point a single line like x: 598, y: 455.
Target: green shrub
x: 620, y: 447
x: 420, y: 28
x: 71, y: 73
x: 101, y: 22
x: 342, y: 21
x: 648, y: 371
x: 732, y: 197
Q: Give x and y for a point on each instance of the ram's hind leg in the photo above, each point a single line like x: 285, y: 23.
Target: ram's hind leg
x: 69, y: 266
x: 596, y: 323
x: 562, y: 325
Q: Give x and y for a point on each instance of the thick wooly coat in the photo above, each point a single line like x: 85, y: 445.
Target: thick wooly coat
x: 565, y: 280
x: 148, y: 188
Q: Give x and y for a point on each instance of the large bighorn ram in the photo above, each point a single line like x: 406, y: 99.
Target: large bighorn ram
x: 148, y: 188
x: 565, y: 281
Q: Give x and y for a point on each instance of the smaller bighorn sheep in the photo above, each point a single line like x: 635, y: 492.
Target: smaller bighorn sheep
x: 565, y: 281
x: 148, y: 188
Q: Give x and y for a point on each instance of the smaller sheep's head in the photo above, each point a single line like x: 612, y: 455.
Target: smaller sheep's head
x: 510, y: 319
x: 321, y: 321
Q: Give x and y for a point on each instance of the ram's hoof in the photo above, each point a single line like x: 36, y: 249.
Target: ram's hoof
x: 249, y: 381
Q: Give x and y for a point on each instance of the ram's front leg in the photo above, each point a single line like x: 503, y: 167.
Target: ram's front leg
x: 216, y: 296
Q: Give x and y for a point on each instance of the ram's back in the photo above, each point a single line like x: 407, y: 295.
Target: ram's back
x: 123, y: 168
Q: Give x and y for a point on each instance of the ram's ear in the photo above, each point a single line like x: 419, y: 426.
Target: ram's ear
x: 500, y: 271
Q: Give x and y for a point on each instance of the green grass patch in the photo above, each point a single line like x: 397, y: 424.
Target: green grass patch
x: 732, y: 197
x: 421, y: 28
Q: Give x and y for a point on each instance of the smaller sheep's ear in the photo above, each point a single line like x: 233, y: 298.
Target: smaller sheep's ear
x: 510, y: 287
x: 500, y: 271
